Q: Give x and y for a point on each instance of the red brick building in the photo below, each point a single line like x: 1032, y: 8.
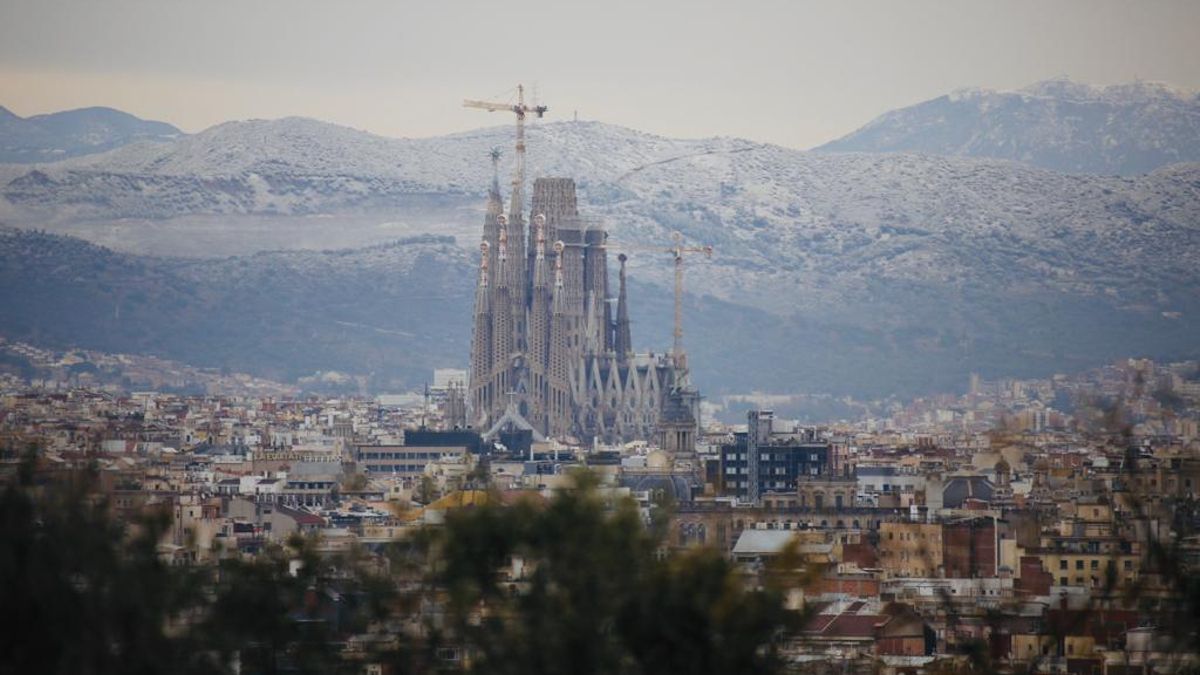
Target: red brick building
x: 969, y: 549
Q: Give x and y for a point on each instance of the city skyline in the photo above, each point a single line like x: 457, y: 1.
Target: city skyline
x: 923, y: 401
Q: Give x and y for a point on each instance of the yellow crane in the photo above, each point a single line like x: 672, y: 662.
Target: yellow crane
x: 521, y: 110
x: 677, y: 251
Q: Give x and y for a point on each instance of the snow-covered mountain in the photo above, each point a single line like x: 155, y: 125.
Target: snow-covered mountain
x: 824, y: 223
x: 1062, y: 125
x: 833, y: 271
x: 297, y: 166
x: 70, y: 133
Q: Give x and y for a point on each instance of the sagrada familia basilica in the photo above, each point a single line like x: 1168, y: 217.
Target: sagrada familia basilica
x: 547, y: 354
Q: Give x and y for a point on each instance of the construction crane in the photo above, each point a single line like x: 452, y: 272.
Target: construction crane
x: 677, y: 251
x: 521, y: 111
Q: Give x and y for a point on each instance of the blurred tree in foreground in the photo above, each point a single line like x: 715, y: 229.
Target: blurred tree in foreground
x: 596, y: 595
x: 84, y: 593
x: 91, y: 594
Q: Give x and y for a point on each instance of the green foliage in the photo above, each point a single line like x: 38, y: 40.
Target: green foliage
x: 598, y: 596
x: 93, y: 595
x: 270, y: 618
x: 690, y: 615
x: 88, y: 594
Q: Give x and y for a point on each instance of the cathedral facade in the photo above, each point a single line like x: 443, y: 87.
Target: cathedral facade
x: 547, y: 353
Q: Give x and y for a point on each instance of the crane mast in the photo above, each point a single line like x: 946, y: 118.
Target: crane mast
x: 521, y: 110
x: 677, y: 251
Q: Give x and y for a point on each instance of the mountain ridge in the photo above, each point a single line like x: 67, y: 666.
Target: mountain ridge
x: 71, y: 133
x: 1061, y: 125
x: 814, y: 218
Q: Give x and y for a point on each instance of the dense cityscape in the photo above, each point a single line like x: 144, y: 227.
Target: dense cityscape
x: 817, y: 338
x: 1004, y: 517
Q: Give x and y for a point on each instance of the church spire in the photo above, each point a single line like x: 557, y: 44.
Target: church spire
x: 495, y: 155
x: 481, y: 339
x: 622, y: 341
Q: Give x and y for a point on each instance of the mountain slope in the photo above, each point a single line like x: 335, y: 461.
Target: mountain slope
x: 283, y: 315
x: 826, y: 223
x: 391, y: 313
x: 856, y: 273
x: 1058, y: 124
x: 71, y: 133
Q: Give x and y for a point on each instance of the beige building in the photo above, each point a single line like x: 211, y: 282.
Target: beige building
x: 911, y: 549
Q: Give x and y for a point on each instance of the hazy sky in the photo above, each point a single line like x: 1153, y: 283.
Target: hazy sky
x: 790, y: 72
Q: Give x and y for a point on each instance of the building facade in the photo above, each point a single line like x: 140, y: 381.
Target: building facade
x: 761, y: 460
